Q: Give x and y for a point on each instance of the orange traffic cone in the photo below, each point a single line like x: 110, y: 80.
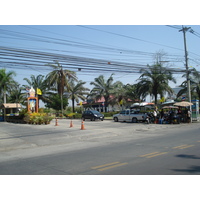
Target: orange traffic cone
x: 82, y: 126
x: 56, y: 124
x: 71, y: 124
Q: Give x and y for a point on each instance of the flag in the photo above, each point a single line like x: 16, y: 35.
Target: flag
x: 39, y: 92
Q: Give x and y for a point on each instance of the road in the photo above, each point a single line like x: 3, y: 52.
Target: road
x: 169, y: 150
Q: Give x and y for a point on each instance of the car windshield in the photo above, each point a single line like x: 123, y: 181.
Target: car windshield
x: 95, y: 112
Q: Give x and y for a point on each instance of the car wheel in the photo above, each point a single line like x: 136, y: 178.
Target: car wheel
x: 116, y: 119
x: 134, y: 120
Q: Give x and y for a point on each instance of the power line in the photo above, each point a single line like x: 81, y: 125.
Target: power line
x: 38, y: 59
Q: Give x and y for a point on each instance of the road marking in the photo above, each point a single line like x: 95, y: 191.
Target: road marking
x: 187, y: 147
x: 108, y: 166
x: 96, y: 167
x: 178, y: 147
x: 154, y: 154
x: 113, y: 166
x: 159, y: 154
x: 149, y: 154
x: 183, y: 146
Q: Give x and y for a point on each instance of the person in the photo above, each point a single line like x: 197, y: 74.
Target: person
x: 146, y: 119
x: 171, y: 116
x: 188, y: 116
x: 162, y: 114
x: 179, y: 115
x: 154, y: 115
x: 185, y: 114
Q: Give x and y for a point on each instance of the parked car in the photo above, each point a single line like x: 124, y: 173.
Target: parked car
x: 129, y: 116
x: 92, y: 115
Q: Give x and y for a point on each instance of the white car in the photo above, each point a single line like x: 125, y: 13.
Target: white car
x: 129, y: 116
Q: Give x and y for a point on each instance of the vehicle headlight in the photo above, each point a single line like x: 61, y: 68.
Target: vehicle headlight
x: 95, y: 115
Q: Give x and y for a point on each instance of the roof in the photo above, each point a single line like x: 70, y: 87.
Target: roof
x: 10, y: 105
x: 99, y: 101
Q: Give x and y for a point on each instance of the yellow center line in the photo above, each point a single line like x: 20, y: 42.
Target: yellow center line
x: 149, y: 154
x: 187, y: 147
x: 113, y: 166
x: 100, y: 166
x: 159, y: 154
x: 177, y: 147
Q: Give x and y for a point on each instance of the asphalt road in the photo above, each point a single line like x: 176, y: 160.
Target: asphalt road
x: 104, y: 148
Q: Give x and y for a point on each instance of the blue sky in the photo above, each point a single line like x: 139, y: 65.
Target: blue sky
x: 136, y: 44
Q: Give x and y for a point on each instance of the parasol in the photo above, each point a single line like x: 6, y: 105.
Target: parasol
x: 168, y: 107
x: 183, y: 104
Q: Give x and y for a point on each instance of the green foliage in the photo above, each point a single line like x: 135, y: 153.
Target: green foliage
x: 37, y: 118
x: 155, y: 80
x: 109, y: 114
x: 55, y: 102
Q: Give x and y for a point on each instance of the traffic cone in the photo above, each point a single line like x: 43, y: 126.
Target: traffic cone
x: 56, y: 124
x: 82, y: 126
x: 71, y: 124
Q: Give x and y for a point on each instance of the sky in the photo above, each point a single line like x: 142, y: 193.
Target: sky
x: 135, y: 45
x: 113, y: 31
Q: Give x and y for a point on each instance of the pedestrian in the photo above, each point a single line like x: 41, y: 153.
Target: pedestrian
x: 188, y: 116
x: 162, y: 114
x: 155, y: 115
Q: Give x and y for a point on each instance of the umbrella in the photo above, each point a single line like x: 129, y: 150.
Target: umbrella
x: 167, y: 107
x: 183, y: 104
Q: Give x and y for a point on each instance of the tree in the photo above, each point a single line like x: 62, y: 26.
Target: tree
x: 59, y: 77
x: 132, y: 92
x: 155, y: 80
x: 77, y: 91
x: 40, y: 83
x: 102, y: 88
x: 194, y: 84
x: 55, y: 102
x: 6, y: 82
x: 120, y: 93
x: 16, y: 95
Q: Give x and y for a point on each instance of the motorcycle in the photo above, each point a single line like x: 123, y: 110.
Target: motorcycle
x: 148, y: 118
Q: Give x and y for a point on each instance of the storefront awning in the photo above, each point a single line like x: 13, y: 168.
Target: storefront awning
x: 10, y: 105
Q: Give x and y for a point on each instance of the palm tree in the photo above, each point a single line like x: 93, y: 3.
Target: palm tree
x: 194, y: 82
x: 102, y: 88
x: 59, y: 77
x: 6, y: 82
x: 154, y: 80
x: 16, y: 95
x: 38, y: 82
x: 132, y: 92
x: 76, y: 92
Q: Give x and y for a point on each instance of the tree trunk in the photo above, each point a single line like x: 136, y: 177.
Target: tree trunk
x: 73, y: 109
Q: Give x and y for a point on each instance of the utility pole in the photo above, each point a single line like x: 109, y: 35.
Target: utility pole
x: 185, y: 29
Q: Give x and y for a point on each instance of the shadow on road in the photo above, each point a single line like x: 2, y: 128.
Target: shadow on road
x: 192, y: 169
x: 188, y: 156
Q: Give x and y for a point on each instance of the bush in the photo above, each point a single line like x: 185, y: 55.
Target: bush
x: 37, y: 118
x: 74, y: 115
x: 109, y: 114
